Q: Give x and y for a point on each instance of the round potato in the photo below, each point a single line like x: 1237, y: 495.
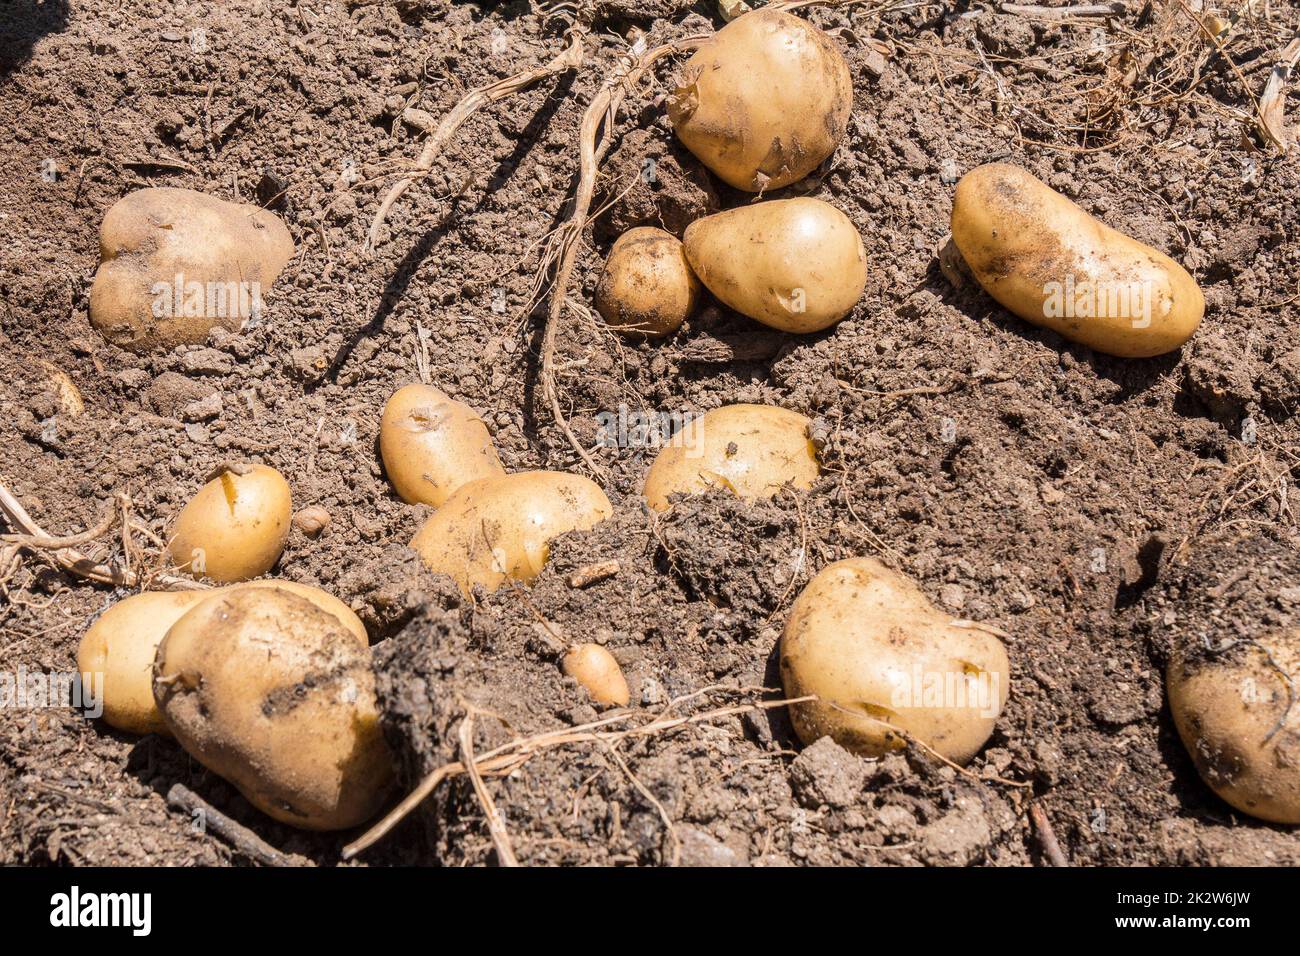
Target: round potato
x: 1052, y: 264
x: 235, y: 527
x: 432, y: 444
x: 595, y: 669
x: 647, y: 287
x: 175, y: 263
x: 115, y: 657
x: 884, y: 663
x: 751, y: 450
x: 498, y: 529
x: 1237, y: 718
x: 795, y: 264
x: 764, y: 102
x: 270, y: 692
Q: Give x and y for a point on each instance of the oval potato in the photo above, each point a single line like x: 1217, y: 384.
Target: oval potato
x: 647, y: 286
x: 1237, y: 719
x: 881, y: 659
x: 763, y: 102
x: 432, y: 444
x: 751, y: 450
x: 235, y: 527
x: 270, y: 692
x: 595, y: 669
x: 498, y: 529
x: 1052, y: 264
x: 794, y: 264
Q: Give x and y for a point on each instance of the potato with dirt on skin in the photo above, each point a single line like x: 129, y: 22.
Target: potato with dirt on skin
x: 751, y: 450
x: 118, y: 649
x: 275, y: 695
x: 235, y: 527
x: 884, y: 663
x: 1055, y: 266
x: 499, y: 529
x: 1237, y: 718
x: 794, y: 264
x: 432, y: 444
x: 647, y: 287
x: 175, y: 263
x: 764, y: 101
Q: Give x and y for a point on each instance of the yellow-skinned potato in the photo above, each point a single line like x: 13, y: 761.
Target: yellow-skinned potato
x: 595, y: 669
x: 235, y: 527
x: 123, y: 641
x: 751, y: 450
x: 270, y: 692
x: 764, y: 102
x: 879, y: 656
x: 1052, y: 264
x: 175, y: 263
x: 432, y: 444
x: 647, y: 287
x: 120, y: 646
x: 795, y: 264
x: 496, y: 529
x: 1227, y: 712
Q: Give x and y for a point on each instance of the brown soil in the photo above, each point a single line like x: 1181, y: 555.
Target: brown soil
x: 1090, y: 507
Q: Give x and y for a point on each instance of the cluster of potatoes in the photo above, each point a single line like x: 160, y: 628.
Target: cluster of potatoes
x: 268, y: 682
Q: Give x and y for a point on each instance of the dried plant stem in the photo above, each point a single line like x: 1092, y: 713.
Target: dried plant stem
x: 496, y: 826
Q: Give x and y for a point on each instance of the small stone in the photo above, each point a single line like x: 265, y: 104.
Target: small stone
x: 312, y: 520
x: 952, y: 596
x: 652, y: 692
x: 203, y: 409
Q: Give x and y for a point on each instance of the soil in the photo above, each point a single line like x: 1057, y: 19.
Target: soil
x: 1096, y: 510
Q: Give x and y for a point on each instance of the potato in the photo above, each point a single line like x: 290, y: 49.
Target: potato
x: 1052, y: 264
x: 764, y: 102
x: 175, y: 263
x: 881, y: 659
x: 596, y: 670
x: 751, y: 450
x: 432, y: 444
x: 647, y: 287
x: 496, y: 529
x: 270, y: 692
x: 120, y: 645
x: 67, y: 397
x: 235, y: 527
x: 795, y: 264
x: 1232, y: 715
x: 123, y: 641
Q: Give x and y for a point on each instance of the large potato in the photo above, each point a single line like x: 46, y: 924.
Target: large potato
x: 1238, y: 720
x: 235, y: 527
x: 432, y: 444
x: 1052, y: 264
x: 880, y: 658
x: 270, y: 692
x: 118, y: 650
x: 795, y: 264
x: 499, y: 529
x: 647, y: 286
x: 174, y: 263
x: 751, y: 450
x: 764, y: 102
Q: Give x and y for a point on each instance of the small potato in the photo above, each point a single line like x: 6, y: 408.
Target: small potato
x: 1237, y: 719
x: 432, y: 444
x: 270, y: 692
x: 795, y: 264
x: 235, y: 527
x: 67, y: 397
x: 764, y: 102
x: 596, y: 670
x: 647, y: 287
x: 751, y: 450
x: 496, y: 529
x: 123, y: 641
x: 1052, y: 264
x: 882, y: 659
x: 175, y: 263
x: 117, y: 653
